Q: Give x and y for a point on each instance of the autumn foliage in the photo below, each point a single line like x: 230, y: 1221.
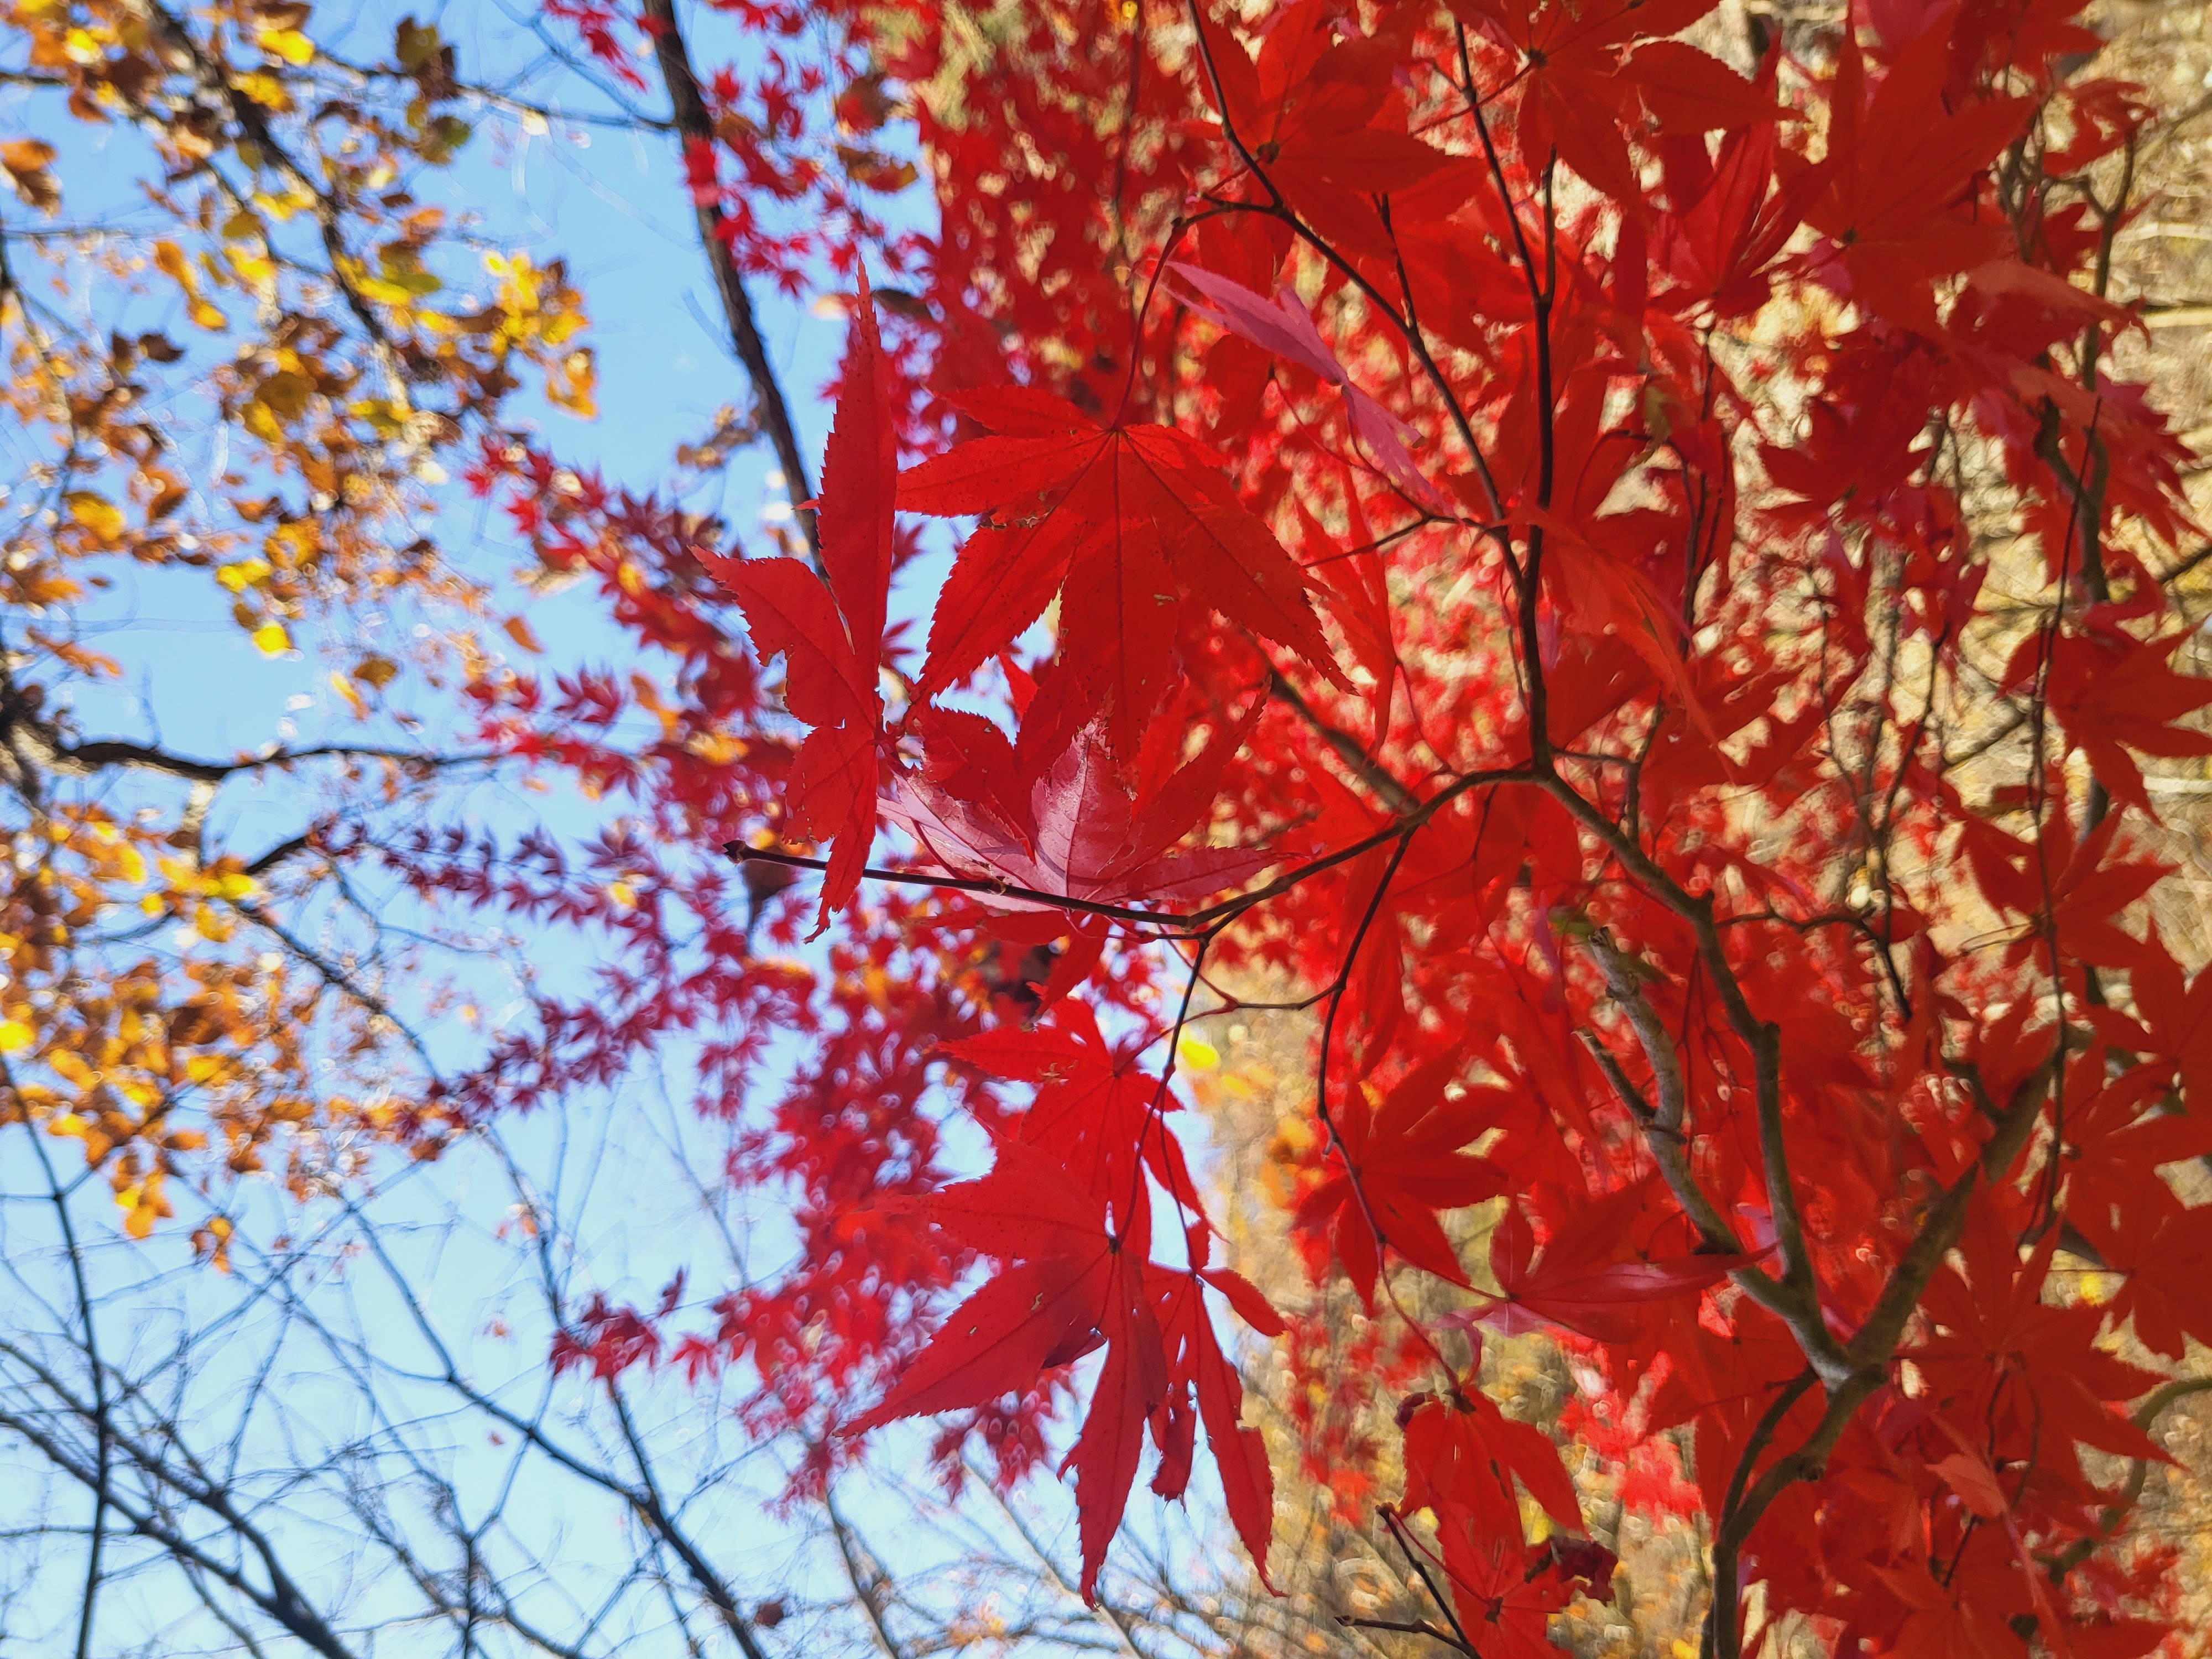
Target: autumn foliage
x: 1510, y: 533
x: 1625, y: 589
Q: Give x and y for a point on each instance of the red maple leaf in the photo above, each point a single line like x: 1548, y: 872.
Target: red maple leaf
x: 2172, y: 1021
x: 1729, y: 223
x: 1198, y: 1369
x: 1506, y: 1593
x: 2162, y: 1250
x: 1283, y: 328
x: 1095, y: 1110
x: 1315, y: 109
x: 1075, y: 832
x: 1129, y: 524
x: 1900, y: 174
x: 1583, y: 75
x: 832, y: 635
x: 2063, y: 887
x: 2113, y: 693
x: 1580, y: 1284
x: 1073, y: 1281
x: 1388, y: 1172
x: 1463, y: 1454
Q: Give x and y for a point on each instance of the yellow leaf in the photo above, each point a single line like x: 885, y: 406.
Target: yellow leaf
x: 71, y: 1068
x: 282, y: 207
x: 622, y: 894
x: 273, y: 640
x: 169, y: 259
x: 291, y: 46
x: 265, y: 90
x: 260, y: 420
x: 518, y: 631
x: 716, y: 748
x: 256, y: 272
x: 96, y: 513
x: 402, y: 267
x: 573, y: 384
x: 343, y: 686
x: 386, y: 418
x: 1197, y: 1052
x: 16, y: 1036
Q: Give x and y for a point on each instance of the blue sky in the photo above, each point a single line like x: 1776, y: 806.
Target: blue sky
x: 612, y: 203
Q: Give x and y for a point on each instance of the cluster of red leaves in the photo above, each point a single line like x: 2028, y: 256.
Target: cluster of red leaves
x: 1475, y: 586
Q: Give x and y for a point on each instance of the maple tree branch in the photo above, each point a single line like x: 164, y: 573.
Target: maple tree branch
x: 1723, y: 1639
x: 1871, y: 1351
x: 1279, y: 208
x: 1347, y: 748
x: 1721, y: 1614
x: 102, y: 1416
x: 289, y: 848
x: 643, y: 1499
x: 1535, y: 687
x: 1103, y: 1610
x: 1877, y: 1339
x: 1392, y: 1520
x: 1122, y: 913
x: 1662, y: 1124
x: 628, y: 120
x: 1181, y: 924
x: 1764, y: 1041
x: 867, y: 1593
x: 34, y: 739
x: 282, y: 1601
x: 338, y: 979
x: 85, y: 759
x: 1404, y: 825
x: 695, y: 123
x: 1408, y: 1627
x: 218, y: 85
x: 2084, y: 489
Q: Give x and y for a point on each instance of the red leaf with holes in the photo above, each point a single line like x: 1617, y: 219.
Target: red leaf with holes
x: 1076, y: 833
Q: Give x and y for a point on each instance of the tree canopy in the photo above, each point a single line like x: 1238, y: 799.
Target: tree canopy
x: 1624, y: 566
